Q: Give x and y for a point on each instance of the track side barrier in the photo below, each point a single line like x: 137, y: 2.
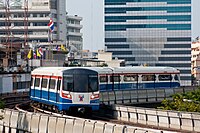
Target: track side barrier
x: 78, y: 126
x: 60, y: 125
x: 140, y: 95
x: 89, y: 127
x: 19, y: 122
x: 185, y: 121
x: 43, y: 124
x: 52, y: 124
x: 1, y: 122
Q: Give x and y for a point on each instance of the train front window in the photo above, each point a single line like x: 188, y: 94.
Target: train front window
x: 80, y: 83
x: 85, y: 83
x: 68, y: 83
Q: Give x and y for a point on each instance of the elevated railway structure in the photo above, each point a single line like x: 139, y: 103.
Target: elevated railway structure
x: 117, y: 118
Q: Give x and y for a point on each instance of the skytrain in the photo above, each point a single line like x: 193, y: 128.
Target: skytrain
x: 77, y: 88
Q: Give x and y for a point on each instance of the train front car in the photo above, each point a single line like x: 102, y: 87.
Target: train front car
x: 80, y: 90
x: 65, y: 88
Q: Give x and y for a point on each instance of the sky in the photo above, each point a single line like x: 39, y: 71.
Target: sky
x: 93, y: 21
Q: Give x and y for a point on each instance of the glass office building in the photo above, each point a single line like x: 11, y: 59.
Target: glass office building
x: 150, y: 32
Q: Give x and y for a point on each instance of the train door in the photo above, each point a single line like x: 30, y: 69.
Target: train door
x: 130, y: 81
x: 44, y: 89
x: 148, y: 81
x: 58, y: 85
x: 37, y: 86
x: 103, y: 82
x: 32, y: 88
x: 52, y: 89
x: 115, y: 80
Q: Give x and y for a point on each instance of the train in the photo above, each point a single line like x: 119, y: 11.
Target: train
x: 78, y: 88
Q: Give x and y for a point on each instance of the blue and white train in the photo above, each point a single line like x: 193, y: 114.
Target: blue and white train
x: 69, y: 88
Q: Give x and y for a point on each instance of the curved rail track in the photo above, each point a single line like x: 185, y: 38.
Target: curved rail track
x: 11, y: 99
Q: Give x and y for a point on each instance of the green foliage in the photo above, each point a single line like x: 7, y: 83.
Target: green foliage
x: 104, y: 65
x: 2, y: 104
x: 189, y: 102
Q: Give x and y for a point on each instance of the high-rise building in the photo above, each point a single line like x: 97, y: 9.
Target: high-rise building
x: 150, y: 32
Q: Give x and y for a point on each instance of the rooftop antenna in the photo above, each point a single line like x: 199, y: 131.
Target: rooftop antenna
x: 25, y: 23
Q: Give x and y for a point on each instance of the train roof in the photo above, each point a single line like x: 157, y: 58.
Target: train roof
x: 57, y: 71
x: 149, y: 69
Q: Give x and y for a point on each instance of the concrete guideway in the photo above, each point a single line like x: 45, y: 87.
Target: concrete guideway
x: 140, y: 95
x: 15, y: 121
x: 181, y: 121
x: 31, y: 122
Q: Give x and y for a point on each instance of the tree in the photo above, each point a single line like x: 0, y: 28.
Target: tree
x: 2, y: 104
x: 189, y: 101
x: 104, y: 65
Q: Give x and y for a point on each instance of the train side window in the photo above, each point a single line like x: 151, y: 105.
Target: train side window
x: 176, y: 77
x: 164, y: 77
x: 37, y: 82
x: 52, y: 84
x: 148, y: 77
x: 115, y: 78
x: 128, y: 78
x: 103, y: 79
x: 68, y: 83
x: 58, y: 84
x: 44, y: 83
x: 92, y: 83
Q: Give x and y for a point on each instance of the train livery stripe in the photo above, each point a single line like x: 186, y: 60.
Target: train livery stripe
x: 48, y: 77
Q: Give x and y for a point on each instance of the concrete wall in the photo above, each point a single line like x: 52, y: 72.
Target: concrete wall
x: 15, y: 121
x: 140, y: 96
x: 187, y: 121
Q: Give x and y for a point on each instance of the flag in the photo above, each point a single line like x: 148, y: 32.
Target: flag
x: 40, y: 51
x: 49, y: 36
x: 29, y: 56
x: 51, y: 25
x: 63, y: 48
x: 57, y: 48
x: 34, y: 54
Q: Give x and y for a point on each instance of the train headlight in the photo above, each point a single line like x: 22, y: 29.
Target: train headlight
x: 94, y: 96
x: 68, y: 96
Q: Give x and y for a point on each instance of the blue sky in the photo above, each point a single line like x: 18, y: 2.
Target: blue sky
x: 93, y: 21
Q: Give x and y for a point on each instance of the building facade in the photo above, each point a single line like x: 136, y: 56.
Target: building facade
x: 196, y: 60
x: 74, y: 35
x: 150, y: 32
x: 39, y: 13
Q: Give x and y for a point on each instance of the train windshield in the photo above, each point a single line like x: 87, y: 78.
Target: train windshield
x: 81, y: 83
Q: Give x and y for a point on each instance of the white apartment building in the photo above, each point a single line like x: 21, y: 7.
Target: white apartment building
x: 196, y: 60
x: 39, y: 13
x: 74, y: 36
